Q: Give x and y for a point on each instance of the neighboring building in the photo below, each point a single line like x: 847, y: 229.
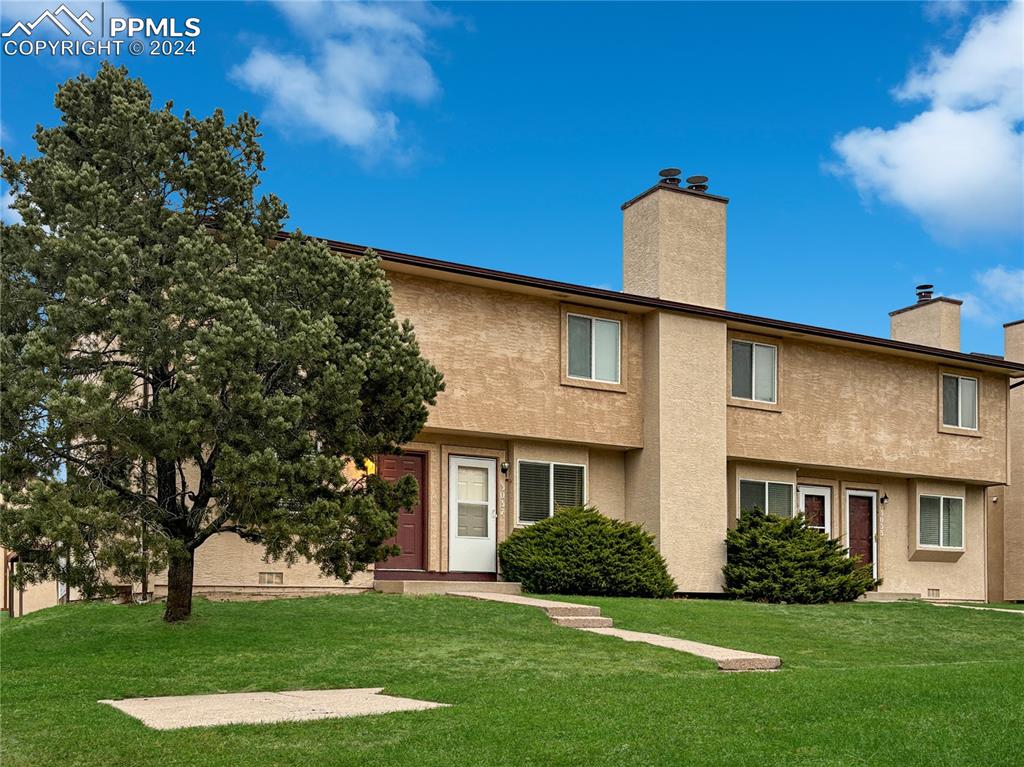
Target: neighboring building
x: 659, y: 406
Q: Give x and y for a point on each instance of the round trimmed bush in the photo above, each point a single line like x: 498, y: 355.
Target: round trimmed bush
x: 581, y: 551
x: 781, y: 559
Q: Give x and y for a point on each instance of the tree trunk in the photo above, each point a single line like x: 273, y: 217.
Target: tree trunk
x: 179, y: 586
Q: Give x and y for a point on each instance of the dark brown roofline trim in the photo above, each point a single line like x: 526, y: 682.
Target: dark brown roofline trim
x: 675, y: 188
x: 1011, y: 324
x: 633, y: 299
x: 925, y: 303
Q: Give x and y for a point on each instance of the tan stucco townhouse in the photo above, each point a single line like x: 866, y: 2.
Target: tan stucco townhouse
x: 659, y: 406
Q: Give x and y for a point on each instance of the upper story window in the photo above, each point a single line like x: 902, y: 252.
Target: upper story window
x: 959, y: 401
x: 941, y: 521
x: 594, y: 348
x: 771, y: 497
x: 544, y: 487
x: 754, y: 371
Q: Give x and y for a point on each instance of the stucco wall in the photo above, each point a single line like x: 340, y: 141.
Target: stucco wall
x: 1013, y: 495
x: 682, y: 470
x: 501, y: 355
x: 859, y: 410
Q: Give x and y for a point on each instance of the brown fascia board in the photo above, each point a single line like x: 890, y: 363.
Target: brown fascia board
x: 647, y: 302
x: 925, y: 303
x: 680, y: 189
x: 1011, y: 324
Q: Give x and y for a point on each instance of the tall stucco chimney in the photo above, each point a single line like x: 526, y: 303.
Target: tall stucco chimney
x: 673, y: 242
x: 1013, y: 494
x: 932, y: 321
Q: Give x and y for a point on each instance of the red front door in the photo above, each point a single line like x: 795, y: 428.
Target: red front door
x: 862, y: 528
x: 411, y: 521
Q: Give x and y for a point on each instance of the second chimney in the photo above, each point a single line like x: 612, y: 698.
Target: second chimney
x: 931, y: 321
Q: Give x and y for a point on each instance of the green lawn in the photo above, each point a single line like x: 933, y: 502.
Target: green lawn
x: 862, y: 684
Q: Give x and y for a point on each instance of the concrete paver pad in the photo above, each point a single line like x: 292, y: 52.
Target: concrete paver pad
x: 173, y: 712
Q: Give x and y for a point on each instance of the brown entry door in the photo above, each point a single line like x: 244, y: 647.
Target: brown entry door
x: 411, y: 521
x: 861, y: 526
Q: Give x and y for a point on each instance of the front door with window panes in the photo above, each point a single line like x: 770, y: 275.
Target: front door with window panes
x: 472, y: 515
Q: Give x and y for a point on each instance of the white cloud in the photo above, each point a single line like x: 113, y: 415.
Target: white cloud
x: 959, y: 164
x: 998, y: 296
x: 362, y: 59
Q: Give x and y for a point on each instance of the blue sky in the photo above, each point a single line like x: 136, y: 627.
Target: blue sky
x: 866, y: 147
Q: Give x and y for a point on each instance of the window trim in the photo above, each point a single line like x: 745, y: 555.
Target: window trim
x: 593, y: 349
x: 828, y: 503
x: 765, y: 482
x: 753, y: 371
x: 943, y: 375
x: 963, y: 519
x: 551, y: 485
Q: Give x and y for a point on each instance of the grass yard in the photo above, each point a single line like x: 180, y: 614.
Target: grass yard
x: 863, y: 684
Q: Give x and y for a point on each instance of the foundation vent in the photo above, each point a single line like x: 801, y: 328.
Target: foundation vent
x: 271, y: 579
x: 933, y: 593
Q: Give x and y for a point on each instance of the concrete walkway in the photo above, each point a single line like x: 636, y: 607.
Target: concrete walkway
x: 979, y: 607
x: 588, y: 618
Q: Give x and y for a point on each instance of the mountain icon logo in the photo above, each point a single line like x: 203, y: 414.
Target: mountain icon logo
x: 62, y: 18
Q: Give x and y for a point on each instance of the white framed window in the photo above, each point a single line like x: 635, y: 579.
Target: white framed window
x: 940, y: 521
x: 773, y: 497
x: 594, y: 346
x: 754, y: 371
x: 271, y: 579
x: 959, y: 401
x: 544, y: 487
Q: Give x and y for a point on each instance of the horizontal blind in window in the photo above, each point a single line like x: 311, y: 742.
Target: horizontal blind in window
x: 968, y: 403
x: 780, y: 499
x: 606, y: 350
x: 568, y: 485
x: 929, y: 520
x: 752, y: 496
x: 952, y: 522
x: 764, y: 373
x: 534, y: 491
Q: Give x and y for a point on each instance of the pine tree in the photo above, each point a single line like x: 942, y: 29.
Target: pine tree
x: 170, y: 373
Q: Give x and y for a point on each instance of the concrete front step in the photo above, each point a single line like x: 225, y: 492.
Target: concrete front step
x: 582, y: 621
x: 491, y: 588
x: 725, y: 658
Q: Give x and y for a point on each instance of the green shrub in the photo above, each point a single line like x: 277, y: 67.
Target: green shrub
x: 581, y: 551
x: 781, y: 559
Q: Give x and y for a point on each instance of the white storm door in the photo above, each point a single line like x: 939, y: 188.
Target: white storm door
x: 472, y: 515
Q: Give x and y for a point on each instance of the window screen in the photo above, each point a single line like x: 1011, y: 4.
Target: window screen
x: 953, y: 522
x: 968, y: 403
x: 752, y: 496
x: 960, y: 402
x: 780, y: 499
x: 534, y: 491
x: 580, y: 346
x: 606, y: 350
x: 929, y: 522
x: 568, y: 485
x: 742, y: 370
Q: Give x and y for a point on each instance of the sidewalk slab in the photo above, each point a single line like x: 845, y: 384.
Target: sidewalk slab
x: 726, y: 659
x: 178, y: 711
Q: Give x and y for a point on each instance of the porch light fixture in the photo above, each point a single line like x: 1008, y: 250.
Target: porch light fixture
x: 504, y: 467
x: 884, y: 499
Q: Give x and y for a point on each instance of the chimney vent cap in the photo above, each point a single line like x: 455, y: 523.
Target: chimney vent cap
x: 697, y: 180
x: 669, y: 172
x: 924, y: 292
